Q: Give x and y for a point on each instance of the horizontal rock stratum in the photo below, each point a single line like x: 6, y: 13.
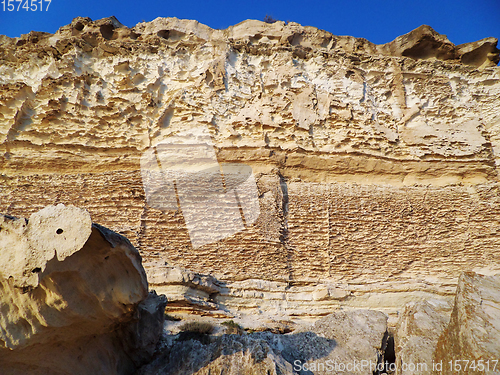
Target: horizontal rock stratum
x: 370, y: 171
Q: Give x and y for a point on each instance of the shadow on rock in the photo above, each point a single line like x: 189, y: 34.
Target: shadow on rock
x: 256, y: 353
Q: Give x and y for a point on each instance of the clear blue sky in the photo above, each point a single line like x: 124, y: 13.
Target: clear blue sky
x: 378, y: 21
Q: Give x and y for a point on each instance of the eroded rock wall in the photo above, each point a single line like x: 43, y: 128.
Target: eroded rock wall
x: 376, y: 165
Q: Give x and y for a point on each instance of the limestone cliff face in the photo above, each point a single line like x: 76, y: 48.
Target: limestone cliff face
x: 375, y: 165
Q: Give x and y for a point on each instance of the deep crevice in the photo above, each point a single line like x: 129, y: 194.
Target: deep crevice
x: 387, y: 358
x: 284, y: 230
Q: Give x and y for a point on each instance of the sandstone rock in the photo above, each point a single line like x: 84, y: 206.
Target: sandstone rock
x: 425, y: 43
x: 435, y: 337
x: 376, y: 166
x: 360, y: 337
x: 27, y: 246
x: 262, y: 304
x: 73, y: 297
x: 471, y: 338
x: 417, y: 332
x: 186, y: 290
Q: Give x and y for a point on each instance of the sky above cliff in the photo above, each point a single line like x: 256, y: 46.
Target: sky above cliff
x: 378, y: 21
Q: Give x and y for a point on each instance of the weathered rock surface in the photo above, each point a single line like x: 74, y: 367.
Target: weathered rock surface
x: 474, y: 329
x: 418, y: 330
x: 73, y: 297
x: 376, y: 165
x: 273, y: 301
x: 335, y: 344
x: 434, y: 337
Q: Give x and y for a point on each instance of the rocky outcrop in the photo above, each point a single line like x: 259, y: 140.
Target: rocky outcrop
x: 264, y: 303
x: 470, y: 342
x: 343, y: 342
x: 425, y: 43
x: 73, y: 297
x: 433, y: 337
x: 418, y: 330
x: 373, y: 167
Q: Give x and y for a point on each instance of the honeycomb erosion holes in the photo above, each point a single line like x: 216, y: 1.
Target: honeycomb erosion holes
x: 375, y: 169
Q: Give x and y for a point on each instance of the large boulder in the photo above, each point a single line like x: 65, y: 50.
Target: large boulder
x: 455, y: 337
x: 471, y: 340
x: 417, y: 333
x: 73, y: 297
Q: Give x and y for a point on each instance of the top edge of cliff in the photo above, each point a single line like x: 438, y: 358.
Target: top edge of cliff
x: 256, y: 36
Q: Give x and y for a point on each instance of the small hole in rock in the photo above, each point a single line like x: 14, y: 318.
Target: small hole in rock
x: 163, y: 34
x: 59, y: 231
x: 36, y: 270
x: 106, y: 257
x: 79, y: 26
x: 107, y: 31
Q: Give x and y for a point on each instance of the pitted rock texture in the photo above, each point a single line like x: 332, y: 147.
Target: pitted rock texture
x: 376, y: 165
x: 73, y: 297
x: 332, y: 345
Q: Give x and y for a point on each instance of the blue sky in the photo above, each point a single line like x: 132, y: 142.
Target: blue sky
x: 378, y: 21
